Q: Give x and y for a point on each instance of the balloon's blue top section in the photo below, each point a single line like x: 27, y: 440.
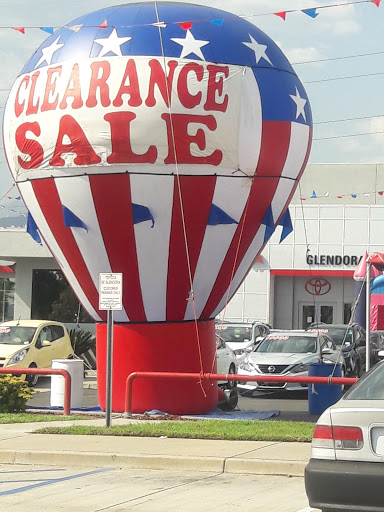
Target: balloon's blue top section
x: 213, y: 35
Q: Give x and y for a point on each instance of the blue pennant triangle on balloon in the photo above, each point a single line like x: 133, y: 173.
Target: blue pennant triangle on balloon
x: 286, y: 222
x: 71, y: 220
x: 218, y: 216
x: 141, y: 213
x: 218, y: 22
x: 269, y: 224
x: 32, y: 229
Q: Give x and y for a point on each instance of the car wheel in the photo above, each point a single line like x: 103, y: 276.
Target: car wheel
x: 231, y: 384
x: 32, y: 379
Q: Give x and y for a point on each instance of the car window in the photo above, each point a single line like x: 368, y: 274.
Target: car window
x: 336, y: 333
x: 44, y: 335
x: 287, y: 344
x: 16, y: 335
x: 368, y: 387
x: 257, y: 331
x: 235, y: 334
x: 219, y: 343
x: 57, y: 331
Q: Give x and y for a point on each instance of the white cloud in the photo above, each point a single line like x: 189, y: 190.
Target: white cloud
x: 306, y: 54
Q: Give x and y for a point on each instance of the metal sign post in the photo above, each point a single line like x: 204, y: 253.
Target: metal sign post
x: 110, y: 298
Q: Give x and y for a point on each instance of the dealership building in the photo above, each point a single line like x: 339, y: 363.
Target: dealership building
x: 337, y: 215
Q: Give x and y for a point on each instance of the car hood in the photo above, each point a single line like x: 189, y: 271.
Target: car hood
x: 7, y: 350
x: 278, y: 358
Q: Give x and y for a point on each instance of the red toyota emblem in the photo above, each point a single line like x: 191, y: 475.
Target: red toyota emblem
x: 317, y: 286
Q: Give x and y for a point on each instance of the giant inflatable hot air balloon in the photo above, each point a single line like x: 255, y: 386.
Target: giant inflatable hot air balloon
x: 163, y: 141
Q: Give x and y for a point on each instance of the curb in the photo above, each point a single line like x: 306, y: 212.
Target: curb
x: 158, y: 462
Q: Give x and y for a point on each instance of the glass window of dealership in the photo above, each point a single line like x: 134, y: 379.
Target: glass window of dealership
x: 337, y: 214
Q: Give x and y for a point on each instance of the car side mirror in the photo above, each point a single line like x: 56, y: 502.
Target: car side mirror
x: 327, y: 350
x: 45, y: 343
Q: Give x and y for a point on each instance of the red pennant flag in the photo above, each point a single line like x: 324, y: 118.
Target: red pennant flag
x: 259, y: 259
x: 104, y: 24
x: 376, y: 2
x: 381, y: 192
x: 340, y: 197
x: 19, y: 29
x: 281, y: 14
x: 303, y: 198
x: 187, y: 25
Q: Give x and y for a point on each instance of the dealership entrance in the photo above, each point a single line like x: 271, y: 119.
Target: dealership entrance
x: 316, y: 312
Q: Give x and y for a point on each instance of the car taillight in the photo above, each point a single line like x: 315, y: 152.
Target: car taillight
x: 339, y: 438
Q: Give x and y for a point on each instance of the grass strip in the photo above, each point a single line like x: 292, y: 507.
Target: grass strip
x: 21, y: 417
x: 237, y: 430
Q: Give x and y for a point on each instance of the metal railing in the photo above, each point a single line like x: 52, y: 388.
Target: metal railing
x: 206, y: 377
x: 46, y: 371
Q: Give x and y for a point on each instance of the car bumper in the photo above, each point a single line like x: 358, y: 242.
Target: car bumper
x: 269, y: 385
x: 345, y: 486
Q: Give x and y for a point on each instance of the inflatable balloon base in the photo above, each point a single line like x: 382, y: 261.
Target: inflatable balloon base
x: 159, y: 347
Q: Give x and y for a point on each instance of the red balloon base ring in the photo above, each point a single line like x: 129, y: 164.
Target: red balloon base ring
x: 159, y: 347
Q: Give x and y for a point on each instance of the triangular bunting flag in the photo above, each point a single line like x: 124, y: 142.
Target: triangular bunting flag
x: 269, y: 225
x: 286, y: 222
x: 32, y: 229
x: 376, y: 2
x: 160, y: 24
x: 259, y: 259
x: 354, y: 196
x: 381, y: 192
x: 104, y: 24
x: 313, y: 194
x: 218, y: 216
x: 47, y: 29
x: 74, y: 28
x: 186, y: 25
x: 218, y: 22
x: 326, y: 194
x: 19, y: 29
x: 141, y: 214
x: 281, y: 14
x: 71, y: 220
x: 310, y: 12
x: 340, y: 197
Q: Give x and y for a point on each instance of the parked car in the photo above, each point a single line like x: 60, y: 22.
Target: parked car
x: 239, y: 336
x: 346, y: 468
x: 287, y: 353
x: 226, y: 362
x: 376, y: 340
x: 353, y: 339
x: 33, y: 344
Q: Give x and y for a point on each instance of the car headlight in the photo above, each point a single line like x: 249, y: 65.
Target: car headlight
x: 239, y: 351
x: 302, y: 367
x: 18, y: 357
x: 247, y: 366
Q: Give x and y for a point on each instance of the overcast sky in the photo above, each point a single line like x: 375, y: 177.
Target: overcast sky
x: 333, y: 37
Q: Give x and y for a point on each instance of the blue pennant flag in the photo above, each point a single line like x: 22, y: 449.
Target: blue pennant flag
x: 141, y: 214
x: 269, y: 225
x: 286, y: 222
x: 354, y: 196
x: 47, y: 29
x: 218, y: 216
x: 71, y: 220
x: 218, y: 22
x: 310, y: 12
x: 32, y: 229
x: 313, y: 195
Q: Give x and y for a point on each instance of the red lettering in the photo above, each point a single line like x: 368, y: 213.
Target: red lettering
x: 19, y: 107
x: 50, y: 89
x: 99, y: 83
x: 216, y: 86
x: 183, y: 139
x: 132, y: 88
x: 121, y: 141
x: 158, y: 78
x: 79, y: 144
x: 187, y: 99
x: 32, y: 109
x: 29, y: 146
x: 73, y: 90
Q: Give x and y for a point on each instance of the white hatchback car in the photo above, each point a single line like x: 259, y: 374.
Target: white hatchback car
x: 346, y: 469
x: 226, y: 362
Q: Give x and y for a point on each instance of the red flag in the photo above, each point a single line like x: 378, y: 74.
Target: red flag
x: 19, y: 29
x: 340, y: 197
x: 376, y: 2
x: 281, y: 14
x: 381, y: 192
x: 186, y: 25
x: 104, y: 24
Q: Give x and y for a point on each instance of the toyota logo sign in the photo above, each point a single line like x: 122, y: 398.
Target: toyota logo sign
x: 317, y: 286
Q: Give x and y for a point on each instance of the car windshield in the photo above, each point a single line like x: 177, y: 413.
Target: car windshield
x: 235, y: 334
x: 16, y: 335
x: 288, y: 344
x: 336, y: 333
x: 368, y: 387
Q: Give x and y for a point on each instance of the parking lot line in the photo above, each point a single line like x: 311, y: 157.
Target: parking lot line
x: 52, y: 481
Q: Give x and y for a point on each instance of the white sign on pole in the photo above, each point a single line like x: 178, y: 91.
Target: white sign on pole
x: 110, y: 291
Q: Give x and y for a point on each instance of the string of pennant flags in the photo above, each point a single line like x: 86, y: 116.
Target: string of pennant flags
x: 340, y: 196
x: 187, y: 25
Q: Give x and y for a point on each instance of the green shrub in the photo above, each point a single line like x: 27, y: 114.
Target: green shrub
x: 82, y: 341
x: 14, y: 394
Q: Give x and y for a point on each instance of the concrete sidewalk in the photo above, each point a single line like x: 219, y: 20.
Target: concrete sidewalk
x: 19, y: 445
